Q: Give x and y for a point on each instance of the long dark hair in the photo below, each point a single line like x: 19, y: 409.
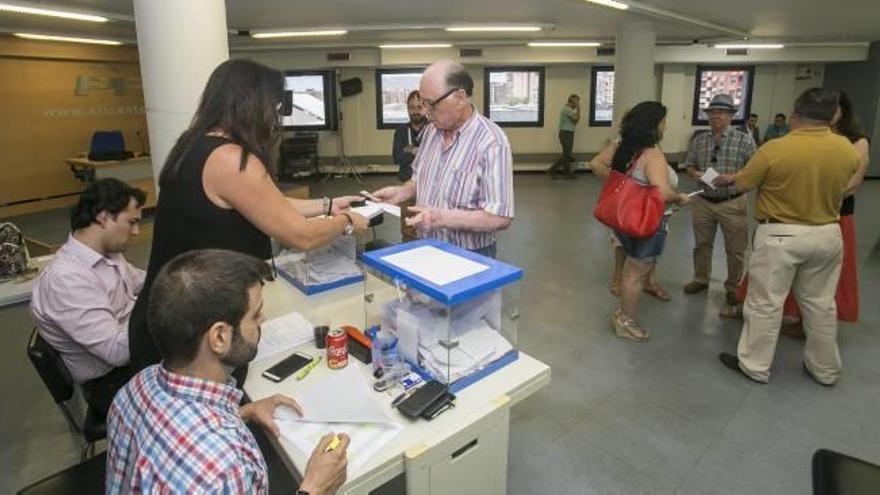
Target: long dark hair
x: 638, y: 130
x: 241, y: 99
x: 848, y: 126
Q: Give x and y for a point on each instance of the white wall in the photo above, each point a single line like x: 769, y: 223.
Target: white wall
x: 774, y: 90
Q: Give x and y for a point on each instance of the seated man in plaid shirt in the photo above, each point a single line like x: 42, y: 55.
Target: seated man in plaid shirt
x: 177, y: 427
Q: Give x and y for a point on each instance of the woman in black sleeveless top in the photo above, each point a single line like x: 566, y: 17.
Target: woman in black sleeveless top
x: 216, y: 191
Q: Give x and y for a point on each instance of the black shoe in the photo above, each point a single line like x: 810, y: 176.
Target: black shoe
x: 732, y: 362
x: 809, y: 374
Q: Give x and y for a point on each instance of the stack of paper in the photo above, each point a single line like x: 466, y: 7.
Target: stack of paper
x: 341, y: 403
x: 283, y: 334
x: 435, y: 265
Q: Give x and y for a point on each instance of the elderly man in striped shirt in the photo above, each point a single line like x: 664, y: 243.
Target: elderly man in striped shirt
x: 463, y: 174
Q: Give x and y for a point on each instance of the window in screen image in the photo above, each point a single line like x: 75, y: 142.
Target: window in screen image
x: 601, y: 96
x: 392, y: 88
x: 312, y: 101
x: 514, y: 96
x: 735, y: 81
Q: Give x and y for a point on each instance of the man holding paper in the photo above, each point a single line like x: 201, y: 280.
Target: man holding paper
x: 723, y: 150
x: 463, y: 174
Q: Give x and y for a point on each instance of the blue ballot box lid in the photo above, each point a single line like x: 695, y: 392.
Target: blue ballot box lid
x: 496, y: 276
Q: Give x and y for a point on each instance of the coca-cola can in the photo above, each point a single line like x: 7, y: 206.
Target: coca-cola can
x: 337, y: 349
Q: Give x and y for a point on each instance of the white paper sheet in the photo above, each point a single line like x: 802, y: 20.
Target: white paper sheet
x: 369, y: 210
x: 342, y: 397
x: 434, y: 265
x: 283, y: 334
x: 709, y: 177
x: 366, y: 439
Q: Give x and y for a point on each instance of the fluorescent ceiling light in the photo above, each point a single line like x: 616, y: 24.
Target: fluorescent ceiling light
x: 20, y: 9
x: 563, y: 43
x: 47, y: 37
x: 756, y: 46
x: 297, y: 34
x: 611, y: 3
x: 477, y: 29
x: 417, y: 45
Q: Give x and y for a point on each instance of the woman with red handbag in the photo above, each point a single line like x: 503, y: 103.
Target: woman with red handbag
x: 633, y: 202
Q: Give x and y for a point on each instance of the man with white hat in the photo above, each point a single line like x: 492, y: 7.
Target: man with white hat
x: 726, y: 150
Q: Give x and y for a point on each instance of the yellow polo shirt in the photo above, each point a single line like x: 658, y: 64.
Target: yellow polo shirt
x: 800, y: 177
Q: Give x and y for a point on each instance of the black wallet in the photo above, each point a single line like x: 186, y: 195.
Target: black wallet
x: 416, y: 404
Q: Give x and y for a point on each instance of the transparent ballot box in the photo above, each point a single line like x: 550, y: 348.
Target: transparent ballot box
x: 321, y: 269
x: 452, y: 312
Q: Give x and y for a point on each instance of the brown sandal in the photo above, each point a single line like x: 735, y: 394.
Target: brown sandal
x: 658, y: 292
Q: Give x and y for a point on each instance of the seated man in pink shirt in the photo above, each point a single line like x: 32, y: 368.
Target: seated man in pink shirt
x: 82, y: 300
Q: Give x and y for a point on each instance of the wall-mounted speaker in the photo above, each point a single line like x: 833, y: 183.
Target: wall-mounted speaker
x: 350, y: 87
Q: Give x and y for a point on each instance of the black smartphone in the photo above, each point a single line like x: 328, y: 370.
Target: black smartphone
x: 287, y: 366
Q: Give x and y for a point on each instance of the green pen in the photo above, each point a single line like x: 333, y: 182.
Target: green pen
x: 307, y: 368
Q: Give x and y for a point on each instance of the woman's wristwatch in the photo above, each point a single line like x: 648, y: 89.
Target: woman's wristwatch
x: 349, y: 227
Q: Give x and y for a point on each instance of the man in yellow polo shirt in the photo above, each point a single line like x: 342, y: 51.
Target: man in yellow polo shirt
x: 800, y: 180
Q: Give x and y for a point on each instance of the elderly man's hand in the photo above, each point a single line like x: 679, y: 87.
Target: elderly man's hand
x: 390, y: 194
x: 426, y: 218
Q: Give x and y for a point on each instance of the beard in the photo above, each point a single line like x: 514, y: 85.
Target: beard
x: 417, y: 118
x: 241, y: 352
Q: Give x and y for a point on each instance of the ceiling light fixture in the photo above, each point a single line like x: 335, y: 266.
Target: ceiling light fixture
x: 416, y: 45
x: 494, y: 29
x: 297, y: 34
x: 21, y: 9
x: 756, y: 46
x: 564, y: 43
x: 71, y: 39
x: 610, y: 3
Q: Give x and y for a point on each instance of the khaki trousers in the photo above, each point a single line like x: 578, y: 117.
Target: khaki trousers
x: 732, y: 216
x: 407, y: 233
x: 805, y: 259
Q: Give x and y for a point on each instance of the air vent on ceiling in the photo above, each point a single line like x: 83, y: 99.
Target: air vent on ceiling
x: 604, y: 51
x: 470, y: 52
x: 339, y: 57
x: 737, y: 51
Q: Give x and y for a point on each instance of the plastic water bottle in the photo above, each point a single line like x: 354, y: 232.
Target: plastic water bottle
x: 384, y: 350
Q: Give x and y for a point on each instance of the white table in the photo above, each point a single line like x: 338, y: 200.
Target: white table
x: 464, y: 450
x: 19, y: 290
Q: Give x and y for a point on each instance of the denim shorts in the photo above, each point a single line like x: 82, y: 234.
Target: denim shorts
x: 644, y: 250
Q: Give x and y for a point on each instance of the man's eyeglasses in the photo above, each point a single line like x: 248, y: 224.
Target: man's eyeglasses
x: 430, y: 105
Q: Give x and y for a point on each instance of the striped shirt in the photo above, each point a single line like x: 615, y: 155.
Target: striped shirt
x: 81, y: 303
x: 728, y: 155
x: 473, y: 172
x: 170, y: 433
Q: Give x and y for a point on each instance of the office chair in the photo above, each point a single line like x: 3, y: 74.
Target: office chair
x: 56, y: 377
x: 839, y: 474
x: 86, y: 477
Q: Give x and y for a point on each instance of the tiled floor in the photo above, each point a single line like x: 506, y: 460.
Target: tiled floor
x: 618, y: 417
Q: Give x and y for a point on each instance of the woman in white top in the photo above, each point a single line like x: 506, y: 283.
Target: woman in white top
x: 640, y: 131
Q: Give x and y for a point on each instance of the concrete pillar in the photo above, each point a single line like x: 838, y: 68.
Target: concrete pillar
x: 633, y: 66
x: 179, y: 45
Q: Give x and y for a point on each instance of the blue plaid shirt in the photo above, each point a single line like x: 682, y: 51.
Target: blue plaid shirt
x: 170, y: 433
x: 728, y: 155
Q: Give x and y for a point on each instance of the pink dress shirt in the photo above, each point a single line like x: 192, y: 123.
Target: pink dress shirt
x: 81, y: 303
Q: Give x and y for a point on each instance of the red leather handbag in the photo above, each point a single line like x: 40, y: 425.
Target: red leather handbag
x: 629, y: 207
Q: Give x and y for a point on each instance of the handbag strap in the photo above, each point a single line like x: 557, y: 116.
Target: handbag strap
x: 633, y: 162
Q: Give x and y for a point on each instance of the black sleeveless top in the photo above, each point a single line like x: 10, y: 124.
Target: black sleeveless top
x: 187, y: 220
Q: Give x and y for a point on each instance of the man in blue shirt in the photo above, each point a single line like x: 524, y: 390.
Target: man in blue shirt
x: 777, y: 129
x: 568, y: 119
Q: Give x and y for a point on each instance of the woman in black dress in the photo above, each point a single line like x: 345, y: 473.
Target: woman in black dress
x: 217, y: 191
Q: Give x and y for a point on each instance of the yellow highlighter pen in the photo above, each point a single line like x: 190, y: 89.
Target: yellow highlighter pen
x: 333, y: 444
x: 307, y: 368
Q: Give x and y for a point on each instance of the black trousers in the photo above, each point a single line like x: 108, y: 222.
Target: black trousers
x: 99, y: 392
x: 566, y: 139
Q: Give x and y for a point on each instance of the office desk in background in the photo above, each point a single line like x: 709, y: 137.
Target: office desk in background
x: 464, y: 450
x: 137, y: 171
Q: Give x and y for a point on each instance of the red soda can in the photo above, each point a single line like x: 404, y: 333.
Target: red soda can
x: 337, y: 349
